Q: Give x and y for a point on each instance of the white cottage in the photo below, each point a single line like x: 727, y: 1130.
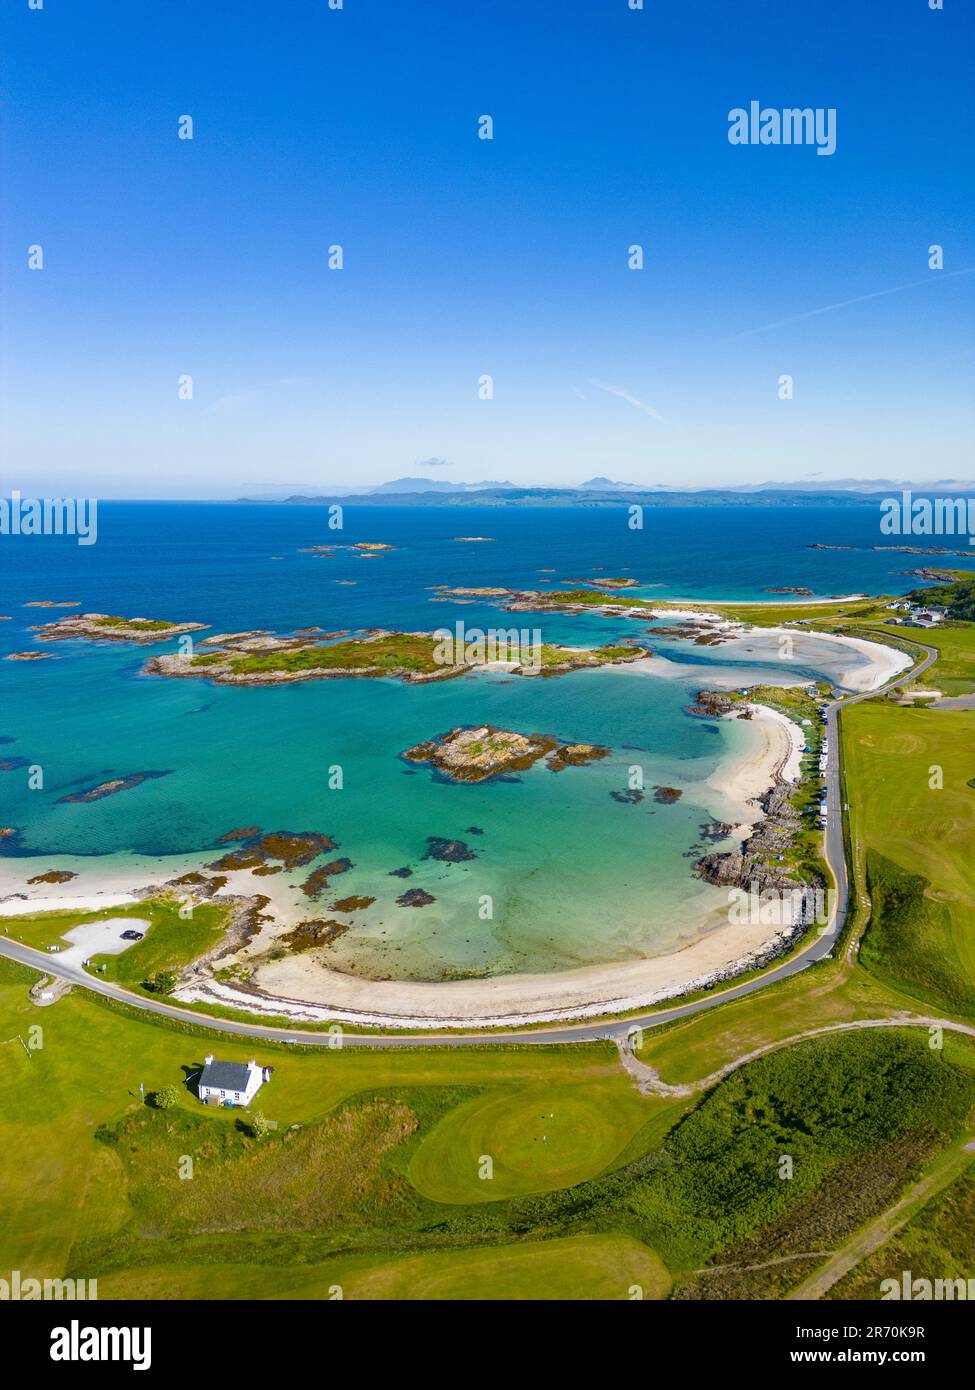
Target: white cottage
x: 230, y: 1083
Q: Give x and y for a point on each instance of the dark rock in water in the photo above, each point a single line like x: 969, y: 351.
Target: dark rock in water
x: 473, y: 830
x: 12, y: 764
x: 448, y: 851
x: 629, y: 798
x: 291, y: 848
x: 242, y: 832
x: 714, y: 830
x: 111, y: 788
x: 401, y: 873
x: 317, y: 881
x: 314, y: 933
x: 6, y: 738
x: 575, y: 755
x: 352, y: 904
x: 754, y: 865
x: 666, y: 796
x: 415, y: 897
x: 712, y: 704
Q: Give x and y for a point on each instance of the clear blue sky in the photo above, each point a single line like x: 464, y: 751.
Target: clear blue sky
x: 464, y: 257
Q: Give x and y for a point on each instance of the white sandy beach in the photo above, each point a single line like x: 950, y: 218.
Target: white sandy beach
x: 777, y: 753
x: 297, y: 988
x: 881, y: 665
x: 300, y: 987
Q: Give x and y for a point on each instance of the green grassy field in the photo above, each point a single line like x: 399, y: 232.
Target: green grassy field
x: 588, y: 1267
x: 917, y: 839
x: 169, y: 943
x: 823, y: 615
x: 535, y: 1141
x: 368, y: 1181
x: 373, y: 1183
x: 954, y: 671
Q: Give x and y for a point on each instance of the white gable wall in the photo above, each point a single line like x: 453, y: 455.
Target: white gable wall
x: 254, y: 1081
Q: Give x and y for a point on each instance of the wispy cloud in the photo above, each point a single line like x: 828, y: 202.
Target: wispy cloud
x: 931, y: 279
x: 629, y: 397
x: 240, y: 400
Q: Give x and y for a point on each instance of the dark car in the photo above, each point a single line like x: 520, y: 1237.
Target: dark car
x: 133, y: 935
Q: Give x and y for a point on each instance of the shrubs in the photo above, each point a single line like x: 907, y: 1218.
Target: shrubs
x: 161, y: 982
x: 908, y: 942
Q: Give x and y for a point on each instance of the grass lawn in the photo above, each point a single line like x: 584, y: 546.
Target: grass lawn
x: 61, y: 1188
x: 809, y: 614
x: 366, y: 1180
x: 535, y: 1140
x: 954, y: 671
x: 170, y: 941
x: 44, y: 929
x: 827, y: 993
x: 574, y: 1267
x: 918, y: 847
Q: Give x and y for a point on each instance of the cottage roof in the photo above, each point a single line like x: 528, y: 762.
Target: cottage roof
x: 226, y: 1076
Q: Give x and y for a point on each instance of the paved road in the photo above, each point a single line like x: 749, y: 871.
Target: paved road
x: 818, y: 947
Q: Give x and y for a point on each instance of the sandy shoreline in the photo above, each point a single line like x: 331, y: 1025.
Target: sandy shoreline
x: 884, y: 662
x: 299, y: 987
x: 777, y: 755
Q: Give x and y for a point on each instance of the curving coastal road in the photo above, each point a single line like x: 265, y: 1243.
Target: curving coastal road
x: 820, y: 946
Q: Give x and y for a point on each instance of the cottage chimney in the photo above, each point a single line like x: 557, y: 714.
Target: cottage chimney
x: 208, y: 1059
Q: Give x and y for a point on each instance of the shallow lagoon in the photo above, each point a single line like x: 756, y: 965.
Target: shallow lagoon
x: 575, y: 876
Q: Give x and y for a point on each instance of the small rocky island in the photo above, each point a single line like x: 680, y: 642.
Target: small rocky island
x: 474, y: 755
x: 258, y: 658
x: 716, y: 704
x: 104, y: 627
x: 110, y: 788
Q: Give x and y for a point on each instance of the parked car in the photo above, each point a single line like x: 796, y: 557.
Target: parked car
x: 132, y: 935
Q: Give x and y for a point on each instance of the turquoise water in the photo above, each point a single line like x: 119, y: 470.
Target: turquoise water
x: 574, y: 875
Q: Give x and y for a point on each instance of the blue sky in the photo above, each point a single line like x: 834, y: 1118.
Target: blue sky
x: 466, y: 257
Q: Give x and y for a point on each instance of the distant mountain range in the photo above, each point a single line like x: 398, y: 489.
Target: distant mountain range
x: 401, y: 485
x: 861, y: 485
x: 429, y: 492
